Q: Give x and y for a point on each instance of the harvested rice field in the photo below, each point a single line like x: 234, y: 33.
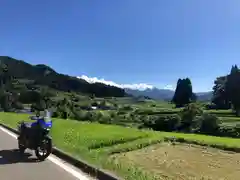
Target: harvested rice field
x: 184, y: 162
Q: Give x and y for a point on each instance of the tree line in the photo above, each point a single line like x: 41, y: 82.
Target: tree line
x: 226, y: 92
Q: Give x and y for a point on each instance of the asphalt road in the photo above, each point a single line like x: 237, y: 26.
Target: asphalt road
x: 26, y: 167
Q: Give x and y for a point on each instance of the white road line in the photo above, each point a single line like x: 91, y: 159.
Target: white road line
x: 56, y: 161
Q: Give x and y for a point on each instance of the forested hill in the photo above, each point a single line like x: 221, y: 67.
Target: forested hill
x: 43, y: 75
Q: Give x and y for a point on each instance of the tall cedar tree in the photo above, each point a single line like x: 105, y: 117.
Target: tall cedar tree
x: 233, y: 88
x: 220, y: 98
x: 183, y: 94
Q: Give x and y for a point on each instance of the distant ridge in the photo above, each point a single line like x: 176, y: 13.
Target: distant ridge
x: 165, y: 94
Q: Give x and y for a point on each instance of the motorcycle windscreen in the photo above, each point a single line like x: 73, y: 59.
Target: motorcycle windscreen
x: 48, y: 119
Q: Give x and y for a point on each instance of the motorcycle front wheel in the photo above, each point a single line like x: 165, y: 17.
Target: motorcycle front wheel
x: 44, y: 150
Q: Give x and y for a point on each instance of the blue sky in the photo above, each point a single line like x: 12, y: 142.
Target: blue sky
x: 126, y: 41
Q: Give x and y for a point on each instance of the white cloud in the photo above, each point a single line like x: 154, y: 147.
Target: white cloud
x: 141, y: 86
x: 169, y: 87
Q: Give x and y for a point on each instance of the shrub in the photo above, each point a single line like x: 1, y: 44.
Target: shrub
x: 162, y: 123
x: 64, y: 115
x: 63, y: 110
x: 145, y: 112
x: 113, y: 114
x: 134, y: 118
x: 151, y: 111
x: 79, y: 115
x: 76, y: 114
x: 229, y: 131
x: 103, y: 104
x: 189, y: 117
x: 210, y: 106
x: 88, y: 116
x: 55, y: 114
x: 33, y: 107
x: 126, y: 108
x: 167, y: 123
x: 6, y: 101
x: 29, y: 96
x: 95, y: 104
x: 115, y: 105
x: 148, y: 121
x: 237, y: 130
x: 210, y: 123
x: 17, y: 105
x: 121, y: 112
x: 106, y: 119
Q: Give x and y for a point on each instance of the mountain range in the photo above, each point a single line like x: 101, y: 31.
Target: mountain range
x: 44, y: 75
x: 165, y: 94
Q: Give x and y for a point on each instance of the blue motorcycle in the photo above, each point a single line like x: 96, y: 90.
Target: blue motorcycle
x: 35, y: 136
